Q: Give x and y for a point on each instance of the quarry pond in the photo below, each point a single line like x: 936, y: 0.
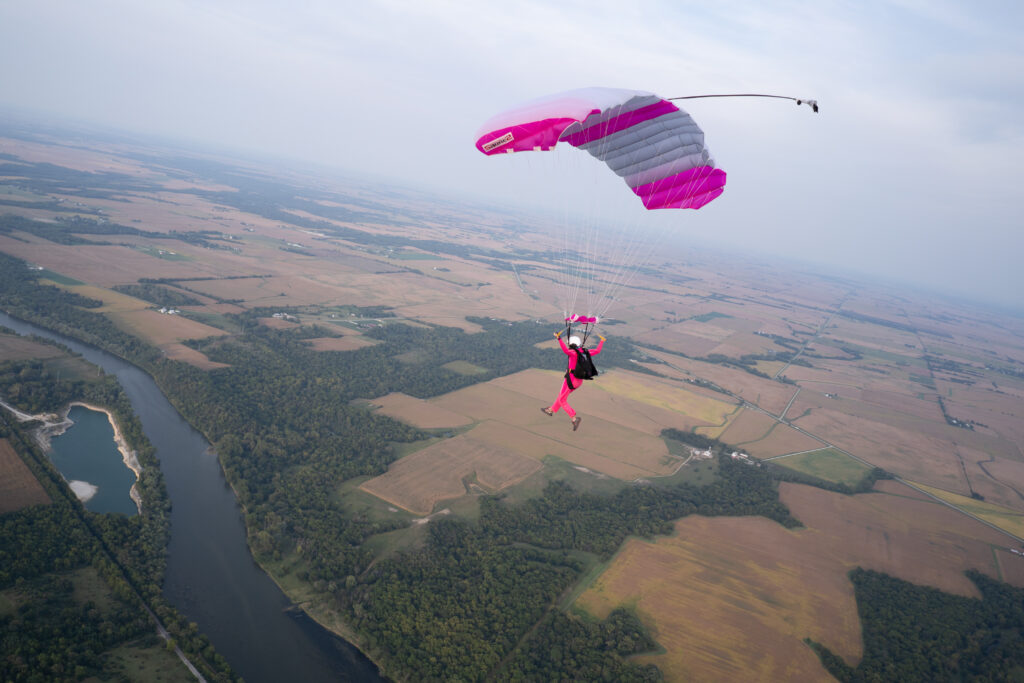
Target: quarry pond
x: 211, y: 575
x: 87, y: 454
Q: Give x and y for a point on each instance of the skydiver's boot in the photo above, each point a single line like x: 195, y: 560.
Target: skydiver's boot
x: 547, y: 411
x: 576, y: 422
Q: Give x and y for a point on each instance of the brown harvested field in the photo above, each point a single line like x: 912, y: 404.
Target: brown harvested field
x: 160, y: 329
x: 912, y: 455
x: 13, y: 347
x: 419, y: 412
x: 733, y: 598
x: 620, y: 434
x: 782, y: 439
x: 448, y: 469
x: 748, y: 425
x: 349, y: 342
x: 603, y: 444
x: 765, y: 393
x: 1011, y: 566
x: 18, y: 487
x: 112, y: 301
x: 191, y: 356
x: 913, y: 539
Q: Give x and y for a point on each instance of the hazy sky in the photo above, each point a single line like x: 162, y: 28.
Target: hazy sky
x: 913, y: 169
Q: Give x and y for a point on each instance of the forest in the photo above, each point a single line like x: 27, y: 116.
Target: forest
x: 917, y: 633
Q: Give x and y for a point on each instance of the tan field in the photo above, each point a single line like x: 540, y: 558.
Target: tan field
x: 349, y: 342
x: 420, y: 413
x: 18, y: 486
x: 191, y: 356
x: 469, y: 463
x: 13, y: 347
x: 781, y: 440
x: 1011, y: 521
x: 748, y: 425
x: 733, y: 598
x: 160, y: 329
x: 914, y: 456
x: 508, y: 409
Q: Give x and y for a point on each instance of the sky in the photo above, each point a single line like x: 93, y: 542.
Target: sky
x: 912, y: 171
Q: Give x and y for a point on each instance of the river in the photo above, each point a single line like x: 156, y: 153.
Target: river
x: 211, y: 575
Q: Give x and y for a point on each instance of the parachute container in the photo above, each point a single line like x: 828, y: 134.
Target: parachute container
x: 652, y: 144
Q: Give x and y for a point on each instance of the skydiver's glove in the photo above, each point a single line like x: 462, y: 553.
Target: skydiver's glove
x: 558, y: 335
x: 601, y: 337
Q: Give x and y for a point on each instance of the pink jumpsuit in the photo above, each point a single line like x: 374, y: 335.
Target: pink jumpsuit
x: 563, y: 396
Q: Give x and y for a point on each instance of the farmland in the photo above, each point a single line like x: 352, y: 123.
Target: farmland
x: 18, y: 487
x: 826, y: 463
x: 332, y: 276
x: 726, y: 597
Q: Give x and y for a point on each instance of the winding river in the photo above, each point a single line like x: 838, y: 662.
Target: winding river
x: 211, y: 575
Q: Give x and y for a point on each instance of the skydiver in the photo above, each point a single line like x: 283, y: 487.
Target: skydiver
x: 574, y: 351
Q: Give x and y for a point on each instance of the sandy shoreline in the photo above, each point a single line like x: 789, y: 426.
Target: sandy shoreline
x: 55, y: 425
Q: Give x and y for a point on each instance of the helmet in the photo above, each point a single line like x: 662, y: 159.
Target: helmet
x: 574, y: 341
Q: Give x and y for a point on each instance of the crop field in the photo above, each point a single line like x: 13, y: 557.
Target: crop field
x: 13, y: 347
x: 160, y: 329
x: 782, y: 439
x: 191, y: 356
x: 912, y: 455
x: 419, y: 412
x: 747, y: 426
x: 826, y: 463
x: 464, y: 368
x: 733, y: 598
x: 18, y: 486
x: 112, y: 301
x: 665, y: 396
x: 769, y: 395
x: 450, y: 469
x: 508, y: 410
x: 997, y: 515
x: 349, y: 342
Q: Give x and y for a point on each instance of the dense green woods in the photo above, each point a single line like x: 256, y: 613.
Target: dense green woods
x: 917, y: 633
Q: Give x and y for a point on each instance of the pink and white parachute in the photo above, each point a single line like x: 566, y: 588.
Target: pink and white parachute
x: 652, y: 144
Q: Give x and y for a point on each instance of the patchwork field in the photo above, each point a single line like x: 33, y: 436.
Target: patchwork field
x: 733, y: 598
x: 18, y: 486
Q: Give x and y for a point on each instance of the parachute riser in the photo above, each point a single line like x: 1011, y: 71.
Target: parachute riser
x: 587, y: 328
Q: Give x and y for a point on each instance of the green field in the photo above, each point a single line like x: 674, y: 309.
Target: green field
x: 58, y: 278
x: 708, y: 317
x: 464, y: 368
x: 828, y: 464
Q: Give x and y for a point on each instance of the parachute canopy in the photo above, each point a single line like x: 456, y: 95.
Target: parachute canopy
x: 652, y: 144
